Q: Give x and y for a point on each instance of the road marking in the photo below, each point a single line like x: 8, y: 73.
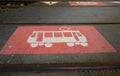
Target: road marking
x: 50, y: 2
x: 80, y: 3
x: 75, y: 40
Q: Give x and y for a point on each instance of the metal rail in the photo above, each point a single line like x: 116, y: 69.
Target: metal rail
x: 59, y: 69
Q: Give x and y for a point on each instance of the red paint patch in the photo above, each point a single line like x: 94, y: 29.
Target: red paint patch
x: 67, y: 34
x: 79, y: 3
x: 40, y: 37
x: 58, y: 34
x: 19, y: 43
x: 48, y: 34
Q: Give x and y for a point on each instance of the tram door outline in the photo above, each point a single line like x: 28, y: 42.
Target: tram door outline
x: 48, y: 38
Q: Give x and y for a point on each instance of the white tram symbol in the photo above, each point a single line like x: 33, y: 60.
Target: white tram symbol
x: 47, y: 38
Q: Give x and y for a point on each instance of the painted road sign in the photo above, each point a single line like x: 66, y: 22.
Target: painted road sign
x: 80, y: 3
x: 56, y: 40
x: 47, y: 38
x: 50, y: 2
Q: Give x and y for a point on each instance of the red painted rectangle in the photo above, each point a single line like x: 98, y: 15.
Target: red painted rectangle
x: 25, y: 40
x: 48, y: 34
x: 40, y: 37
x: 58, y: 34
x: 75, y: 36
x: 80, y: 3
x: 67, y: 34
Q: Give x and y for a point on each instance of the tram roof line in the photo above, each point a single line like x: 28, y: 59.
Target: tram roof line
x: 58, y: 31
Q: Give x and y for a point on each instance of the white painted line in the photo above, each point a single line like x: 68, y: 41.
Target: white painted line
x: 50, y: 2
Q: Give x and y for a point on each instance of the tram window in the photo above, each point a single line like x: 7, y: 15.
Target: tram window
x: 67, y: 34
x: 33, y: 35
x: 40, y: 37
x: 78, y: 34
x: 48, y: 34
x: 58, y: 34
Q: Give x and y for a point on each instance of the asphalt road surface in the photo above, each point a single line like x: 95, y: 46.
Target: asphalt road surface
x: 105, y: 19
